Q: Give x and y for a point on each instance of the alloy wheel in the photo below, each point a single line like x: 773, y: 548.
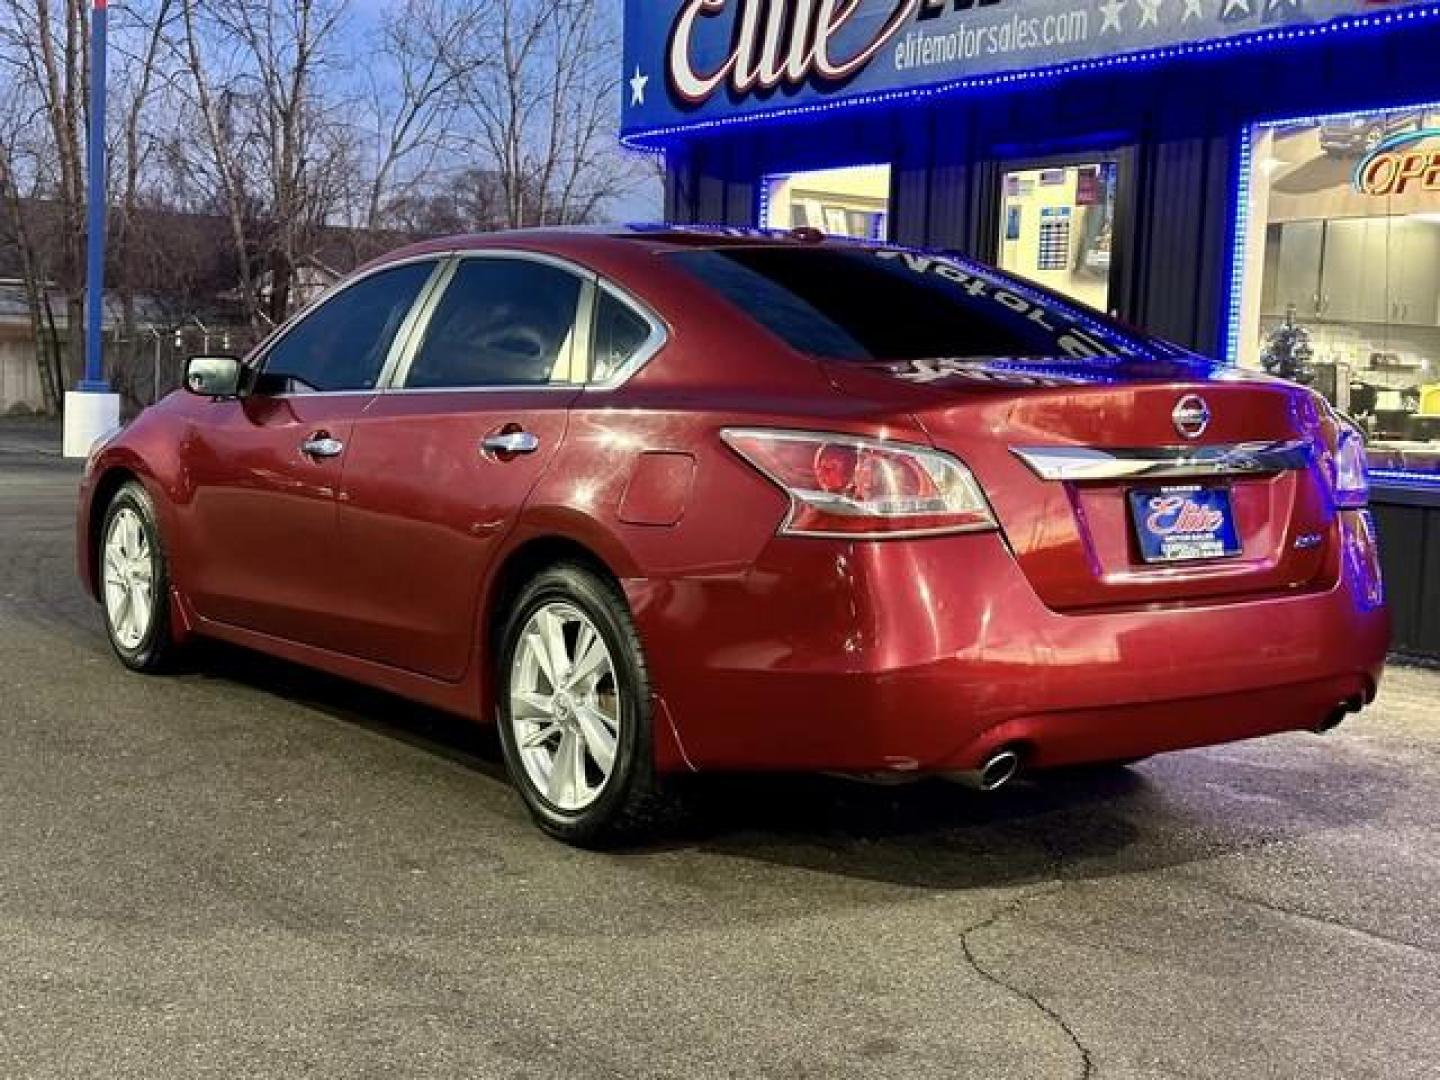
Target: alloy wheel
x: 129, y: 574
x: 565, y: 711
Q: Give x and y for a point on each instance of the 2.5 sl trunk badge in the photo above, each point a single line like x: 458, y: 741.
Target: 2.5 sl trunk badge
x: 1191, y: 416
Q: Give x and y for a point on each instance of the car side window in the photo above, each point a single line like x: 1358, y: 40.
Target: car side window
x: 342, y: 344
x: 501, y: 322
x: 620, y: 332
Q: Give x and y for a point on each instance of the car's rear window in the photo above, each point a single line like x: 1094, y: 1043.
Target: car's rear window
x: 866, y: 303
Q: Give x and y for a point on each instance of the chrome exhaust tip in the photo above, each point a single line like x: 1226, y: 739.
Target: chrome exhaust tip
x: 997, y: 770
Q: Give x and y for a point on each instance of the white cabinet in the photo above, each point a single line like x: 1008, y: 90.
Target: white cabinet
x: 1355, y: 270
x: 1354, y: 278
x: 1415, y: 272
x: 1295, y: 269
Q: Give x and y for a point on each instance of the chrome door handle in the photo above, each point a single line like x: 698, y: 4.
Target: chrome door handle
x: 511, y: 442
x: 322, y: 446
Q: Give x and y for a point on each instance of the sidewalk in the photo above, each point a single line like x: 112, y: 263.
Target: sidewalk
x: 30, y: 435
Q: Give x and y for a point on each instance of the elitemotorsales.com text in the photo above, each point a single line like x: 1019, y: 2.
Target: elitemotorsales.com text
x: 1016, y: 33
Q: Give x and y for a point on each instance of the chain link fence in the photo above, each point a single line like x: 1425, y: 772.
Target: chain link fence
x: 150, y: 365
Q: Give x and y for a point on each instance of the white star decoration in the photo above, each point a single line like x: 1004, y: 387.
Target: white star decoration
x: 1233, y: 6
x: 1111, y: 10
x: 1149, y: 13
x: 1193, y: 10
x: 637, y: 87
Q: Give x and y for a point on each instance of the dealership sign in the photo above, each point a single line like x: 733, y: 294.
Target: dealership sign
x: 690, y: 62
x: 1409, y: 161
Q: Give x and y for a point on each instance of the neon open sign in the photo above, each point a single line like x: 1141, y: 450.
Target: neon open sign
x: 1398, y: 164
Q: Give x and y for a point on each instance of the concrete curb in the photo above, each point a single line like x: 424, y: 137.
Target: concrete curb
x: 42, y: 451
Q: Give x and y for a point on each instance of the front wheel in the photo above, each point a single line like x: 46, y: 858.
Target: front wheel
x: 135, y: 581
x: 574, y: 704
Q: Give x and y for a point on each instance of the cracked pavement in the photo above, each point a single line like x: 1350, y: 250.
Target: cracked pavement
x: 250, y: 870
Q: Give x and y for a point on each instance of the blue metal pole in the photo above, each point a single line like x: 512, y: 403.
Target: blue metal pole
x: 95, y: 229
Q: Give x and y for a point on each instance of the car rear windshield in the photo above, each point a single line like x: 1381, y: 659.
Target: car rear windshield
x: 866, y: 303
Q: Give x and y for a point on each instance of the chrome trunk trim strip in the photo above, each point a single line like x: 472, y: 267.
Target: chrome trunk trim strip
x: 1080, y: 463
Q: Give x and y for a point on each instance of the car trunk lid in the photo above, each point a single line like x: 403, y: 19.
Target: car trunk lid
x: 1060, y: 444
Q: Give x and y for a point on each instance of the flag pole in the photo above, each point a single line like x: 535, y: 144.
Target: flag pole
x: 95, y: 229
x: 92, y: 409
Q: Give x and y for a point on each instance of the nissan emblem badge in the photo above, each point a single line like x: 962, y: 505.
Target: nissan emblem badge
x: 1191, y: 416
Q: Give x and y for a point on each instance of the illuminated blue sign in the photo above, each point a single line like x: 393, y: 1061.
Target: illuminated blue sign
x: 691, y: 63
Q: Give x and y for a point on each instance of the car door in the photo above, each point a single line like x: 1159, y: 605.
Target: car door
x: 440, y: 466
x: 265, y: 469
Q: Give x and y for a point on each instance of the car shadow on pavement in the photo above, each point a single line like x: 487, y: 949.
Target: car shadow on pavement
x: 1072, y: 824
x: 474, y: 746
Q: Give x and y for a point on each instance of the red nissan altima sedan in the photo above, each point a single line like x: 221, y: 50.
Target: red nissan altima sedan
x: 661, y: 500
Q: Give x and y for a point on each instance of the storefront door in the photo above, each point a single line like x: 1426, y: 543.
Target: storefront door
x: 1057, y: 227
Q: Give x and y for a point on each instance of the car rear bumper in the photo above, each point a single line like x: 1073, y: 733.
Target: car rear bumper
x: 932, y: 654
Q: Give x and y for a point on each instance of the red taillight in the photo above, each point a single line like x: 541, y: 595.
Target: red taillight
x: 835, y: 467
x: 844, y: 485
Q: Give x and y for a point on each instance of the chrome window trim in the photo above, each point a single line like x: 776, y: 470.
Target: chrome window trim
x: 582, y: 358
x: 422, y: 326
x: 301, y: 395
x: 417, y: 322
x: 658, y: 339
x: 418, y: 325
x: 510, y: 388
x: 419, y: 317
x: 1082, y: 463
x: 266, y: 348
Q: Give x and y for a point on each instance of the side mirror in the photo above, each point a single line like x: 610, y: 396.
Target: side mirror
x: 214, y: 376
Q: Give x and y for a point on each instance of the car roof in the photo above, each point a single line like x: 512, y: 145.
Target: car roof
x: 579, y: 239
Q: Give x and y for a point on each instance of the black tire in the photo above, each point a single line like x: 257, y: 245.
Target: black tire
x: 632, y: 800
x: 155, y: 651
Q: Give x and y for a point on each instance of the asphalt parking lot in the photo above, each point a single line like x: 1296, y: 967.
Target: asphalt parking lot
x: 251, y: 871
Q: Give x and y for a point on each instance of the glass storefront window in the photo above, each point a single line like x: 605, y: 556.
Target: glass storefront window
x: 852, y: 201
x: 1057, y: 226
x: 1341, y: 276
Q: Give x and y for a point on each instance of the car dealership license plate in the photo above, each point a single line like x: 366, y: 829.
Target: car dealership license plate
x: 1176, y: 524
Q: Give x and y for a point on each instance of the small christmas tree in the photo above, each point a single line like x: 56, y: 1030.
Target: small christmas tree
x: 1288, y: 352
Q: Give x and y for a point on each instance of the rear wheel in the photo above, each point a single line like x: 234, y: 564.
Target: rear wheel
x: 574, y: 701
x: 135, y: 581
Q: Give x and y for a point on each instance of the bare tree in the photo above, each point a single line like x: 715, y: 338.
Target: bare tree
x: 141, y: 48
x: 44, y: 51
x: 412, y: 97
x: 244, y: 123
x: 276, y: 153
x: 18, y: 172
x: 535, y: 85
x: 44, y: 47
x: 580, y: 167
